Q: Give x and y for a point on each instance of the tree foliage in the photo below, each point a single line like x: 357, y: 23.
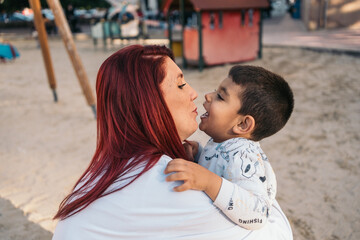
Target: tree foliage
x: 16, y: 5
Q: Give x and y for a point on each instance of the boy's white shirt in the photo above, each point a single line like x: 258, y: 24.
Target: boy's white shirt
x: 249, y: 184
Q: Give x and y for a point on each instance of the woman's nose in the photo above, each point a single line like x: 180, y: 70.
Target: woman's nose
x: 193, y: 94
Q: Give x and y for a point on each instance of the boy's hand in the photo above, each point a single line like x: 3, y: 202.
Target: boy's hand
x: 194, y: 176
x: 191, y: 149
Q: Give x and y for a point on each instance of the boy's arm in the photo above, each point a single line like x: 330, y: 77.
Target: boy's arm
x: 194, y: 177
x: 238, y: 201
x: 244, y: 208
x: 245, y: 199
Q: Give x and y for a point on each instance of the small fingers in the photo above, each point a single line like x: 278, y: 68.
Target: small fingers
x: 173, y: 168
x: 183, y: 187
x: 189, y: 151
x: 187, y: 147
x: 175, y: 165
x: 179, y: 176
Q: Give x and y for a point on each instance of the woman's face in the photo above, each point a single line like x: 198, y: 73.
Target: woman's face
x: 179, y: 97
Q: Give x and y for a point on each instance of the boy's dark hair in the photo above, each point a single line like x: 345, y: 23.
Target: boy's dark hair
x: 266, y: 96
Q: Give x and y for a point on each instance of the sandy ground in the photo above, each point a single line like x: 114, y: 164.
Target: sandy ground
x: 44, y: 146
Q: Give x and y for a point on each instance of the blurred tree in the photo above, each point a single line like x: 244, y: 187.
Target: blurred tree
x: 10, y: 6
x: 13, y: 5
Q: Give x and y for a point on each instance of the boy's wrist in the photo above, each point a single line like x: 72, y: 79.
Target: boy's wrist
x: 225, y: 193
x: 213, y: 185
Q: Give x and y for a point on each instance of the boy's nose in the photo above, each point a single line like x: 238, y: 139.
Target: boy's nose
x: 208, y: 97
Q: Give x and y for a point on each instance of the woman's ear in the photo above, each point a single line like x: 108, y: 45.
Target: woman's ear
x: 245, y: 126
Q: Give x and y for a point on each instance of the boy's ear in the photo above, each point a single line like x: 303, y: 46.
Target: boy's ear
x: 245, y: 126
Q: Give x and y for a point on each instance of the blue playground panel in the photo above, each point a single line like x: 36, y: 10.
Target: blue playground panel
x: 8, y: 51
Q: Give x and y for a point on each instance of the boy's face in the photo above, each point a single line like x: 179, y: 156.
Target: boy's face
x: 222, y: 108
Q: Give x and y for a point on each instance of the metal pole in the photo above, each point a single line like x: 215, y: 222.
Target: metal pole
x: 66, y: 35
x: 103, y: 24
x: 170, y: 31
x: 182, y: 19
x: 201, y: 60
x: 325, y: 14
x: 40, y: 28
x: 260, y: 34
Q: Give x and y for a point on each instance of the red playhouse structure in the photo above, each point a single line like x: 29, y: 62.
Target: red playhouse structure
x: 231, y: 30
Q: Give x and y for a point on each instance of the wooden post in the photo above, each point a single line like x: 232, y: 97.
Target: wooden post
x: 66, y: 35
x: 40, y: 28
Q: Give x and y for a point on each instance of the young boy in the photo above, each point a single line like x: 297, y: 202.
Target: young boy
x: 249, y: 105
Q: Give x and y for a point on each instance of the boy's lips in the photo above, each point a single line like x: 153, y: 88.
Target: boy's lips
x: 205, y: 115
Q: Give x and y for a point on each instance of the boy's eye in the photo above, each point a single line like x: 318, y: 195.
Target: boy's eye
x: 181, y: 86
x: 220, y: 97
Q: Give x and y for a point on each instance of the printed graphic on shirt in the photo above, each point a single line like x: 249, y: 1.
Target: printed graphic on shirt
x: 251, y: 221
x: 231, y: 205
x: 229, y: 146
x: 262, y: 178
x: 211, y: 157
x: 238, y: 149
x: 248, y: 162
x: 240, y: 159
x: 244, y: 164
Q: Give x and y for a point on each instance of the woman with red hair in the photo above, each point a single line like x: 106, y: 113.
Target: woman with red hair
x: 145, y: 110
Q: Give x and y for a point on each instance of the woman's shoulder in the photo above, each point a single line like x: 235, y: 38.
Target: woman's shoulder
x: 165, y: 159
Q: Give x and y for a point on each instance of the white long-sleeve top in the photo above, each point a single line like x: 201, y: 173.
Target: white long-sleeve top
x: 150, y: 209
x: 249, y: 184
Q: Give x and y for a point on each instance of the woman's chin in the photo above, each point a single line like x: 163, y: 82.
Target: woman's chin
x: 195, y: 127
x: 189, y: 132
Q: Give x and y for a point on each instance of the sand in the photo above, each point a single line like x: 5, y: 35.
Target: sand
x: 45, y: 146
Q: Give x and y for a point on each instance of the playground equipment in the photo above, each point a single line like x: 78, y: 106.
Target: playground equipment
x: 40, y: 27
x: 217, y: 32
x: 66, y: 35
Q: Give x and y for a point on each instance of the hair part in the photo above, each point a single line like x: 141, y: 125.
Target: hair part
x: 266, y: 96
x: 134, y: 125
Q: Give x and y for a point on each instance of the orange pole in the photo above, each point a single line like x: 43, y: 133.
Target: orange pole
x: 40, y: 28
x: 66, y: 35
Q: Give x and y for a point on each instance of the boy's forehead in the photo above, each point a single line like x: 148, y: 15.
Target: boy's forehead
x: 229, y: 87
x: 225, y: 82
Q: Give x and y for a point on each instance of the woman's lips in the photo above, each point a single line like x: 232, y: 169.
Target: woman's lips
x: 195, y: 111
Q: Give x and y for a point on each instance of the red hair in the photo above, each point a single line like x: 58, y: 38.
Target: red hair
x: 134, y: 125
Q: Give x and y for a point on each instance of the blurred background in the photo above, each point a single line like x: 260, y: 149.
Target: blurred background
x: 276, y: 22
x: 16, y: 16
